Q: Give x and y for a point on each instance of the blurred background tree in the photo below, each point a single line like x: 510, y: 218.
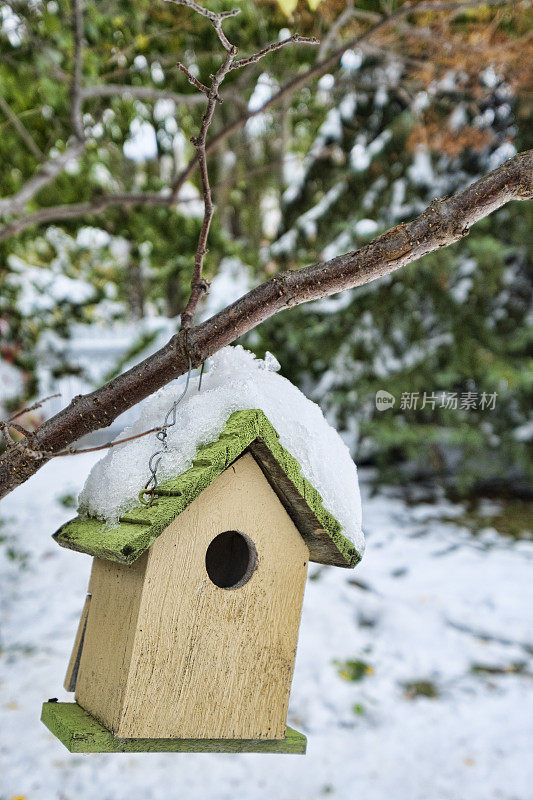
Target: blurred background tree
x: 416, y: 109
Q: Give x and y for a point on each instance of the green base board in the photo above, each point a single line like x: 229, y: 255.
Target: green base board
x: 80, y: 732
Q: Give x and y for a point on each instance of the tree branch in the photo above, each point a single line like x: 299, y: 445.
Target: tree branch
x: 442, y: 223
x: 15, y: 203
x: 271, y: 48
x: 199, y: 285
x: 321, y: 67
x: 76, y: 116
x: 141, y: 92
x: 78, y: 210
x: 17, y: 124
x: 57, y: 213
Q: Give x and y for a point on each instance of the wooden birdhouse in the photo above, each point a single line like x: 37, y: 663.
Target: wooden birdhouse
x: 188, y: 636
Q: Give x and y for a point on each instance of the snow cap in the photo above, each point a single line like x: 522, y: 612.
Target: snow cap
x: 236, y: 381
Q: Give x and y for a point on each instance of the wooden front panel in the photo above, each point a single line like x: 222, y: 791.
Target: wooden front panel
x: 209, y: 662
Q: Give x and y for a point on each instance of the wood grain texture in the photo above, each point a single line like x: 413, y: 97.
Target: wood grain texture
x: 82, y: 733
x: 109, y: 636
x: 170, y: 655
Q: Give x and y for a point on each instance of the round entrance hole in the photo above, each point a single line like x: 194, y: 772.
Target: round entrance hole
x: 230, y: 560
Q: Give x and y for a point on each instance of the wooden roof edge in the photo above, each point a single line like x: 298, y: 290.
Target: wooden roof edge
x: 247, y: 429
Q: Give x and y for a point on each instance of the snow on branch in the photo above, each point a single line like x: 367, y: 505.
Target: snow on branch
x: 442, y: 223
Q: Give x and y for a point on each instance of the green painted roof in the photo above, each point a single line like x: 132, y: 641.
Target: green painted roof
x: 250, y: 431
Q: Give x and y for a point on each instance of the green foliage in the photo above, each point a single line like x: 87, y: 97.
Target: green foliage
x: 354, y: 670
x: 420, y: 688
x: 457, y: 321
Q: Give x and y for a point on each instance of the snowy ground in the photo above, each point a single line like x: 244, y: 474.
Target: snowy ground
x: 429, y: 602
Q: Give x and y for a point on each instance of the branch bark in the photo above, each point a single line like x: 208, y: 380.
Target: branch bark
x: 442, y: 223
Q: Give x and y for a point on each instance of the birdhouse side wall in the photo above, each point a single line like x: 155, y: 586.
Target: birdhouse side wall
x: 212, y: 662
x: 116, y: 591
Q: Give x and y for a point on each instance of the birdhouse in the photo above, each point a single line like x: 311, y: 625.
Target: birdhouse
x: 188, y: 635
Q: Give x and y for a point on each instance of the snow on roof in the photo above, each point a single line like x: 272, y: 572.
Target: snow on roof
x: 235, y: 381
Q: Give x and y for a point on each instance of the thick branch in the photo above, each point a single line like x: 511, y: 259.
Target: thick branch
x: 441, y: 224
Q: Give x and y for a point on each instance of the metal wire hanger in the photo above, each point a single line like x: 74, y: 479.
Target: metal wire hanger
x: 169, y: 422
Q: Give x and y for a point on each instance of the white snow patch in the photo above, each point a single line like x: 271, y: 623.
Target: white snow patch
x: 326, y: 82
x: 457, y: 118
x: 264, y: 89
x: 352, y: 60
x: 142, y: 144
x: 233, y: 279
x: 307, y: 222
x: 432, y: 600
x: 490, y: 77
x: 362, y: 154
x: 140, y: 62
x: 164, y: 108
x: 421, y: 170
x: 40, y: 289
x: 341, y: 244
x: 11, y: 384
x: 366, y: 227
x: 501, y: 154
x: 236, y: 380
x: 285, y: 244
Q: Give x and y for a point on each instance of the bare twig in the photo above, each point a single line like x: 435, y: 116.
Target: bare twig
x: 77, y: 210
x: 192, y: 80
x: 442, y: 223
x: 321, y: 67
x: 92, y: 207
x: 17, y: 124
x: 216, y: 18
x: 36, y: 405
x: 99, y: 205
x: 271, y: 48
x: 75, y: 452
x: 76, y: 116
x: 199, y: 285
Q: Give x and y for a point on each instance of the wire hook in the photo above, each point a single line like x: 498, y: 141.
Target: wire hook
x: 155, y: 459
